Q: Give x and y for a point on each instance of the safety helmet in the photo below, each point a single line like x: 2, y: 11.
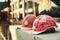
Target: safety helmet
x: 28, y: 21
x: 43, y: 23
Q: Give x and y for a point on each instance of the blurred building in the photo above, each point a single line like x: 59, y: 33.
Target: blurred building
x: 20, y: 8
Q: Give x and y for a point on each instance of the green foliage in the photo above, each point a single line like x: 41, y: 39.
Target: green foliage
x: 54, y: 12
x: 0, y: 2
x: 36, y: 7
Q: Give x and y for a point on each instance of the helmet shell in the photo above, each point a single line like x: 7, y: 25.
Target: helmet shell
x: 28, y: 21
x: 42, y: 23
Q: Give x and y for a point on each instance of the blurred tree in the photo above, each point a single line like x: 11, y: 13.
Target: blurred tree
x: 54, y: 12
x: 0, y: 2
x: 36, y: 8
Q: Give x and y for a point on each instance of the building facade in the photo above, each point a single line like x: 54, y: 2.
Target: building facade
x: 19, y: 8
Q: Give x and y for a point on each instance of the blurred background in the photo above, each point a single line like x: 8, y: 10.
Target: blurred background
x: 13, y: 11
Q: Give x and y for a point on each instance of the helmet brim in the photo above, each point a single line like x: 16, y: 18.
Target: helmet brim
x: 39, y: 32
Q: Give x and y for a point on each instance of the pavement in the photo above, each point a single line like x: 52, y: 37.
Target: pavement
x: 25, y: 35
x: 14, y: 28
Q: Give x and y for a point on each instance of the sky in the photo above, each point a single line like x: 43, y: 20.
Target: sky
x: 2, y: 0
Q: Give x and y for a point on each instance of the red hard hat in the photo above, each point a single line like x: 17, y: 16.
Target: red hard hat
x: 42, y: 23
x: 28, y: 21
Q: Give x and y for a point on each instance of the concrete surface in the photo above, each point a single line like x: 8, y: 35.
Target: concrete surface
x: 15, y: 34
x: 25, y: 35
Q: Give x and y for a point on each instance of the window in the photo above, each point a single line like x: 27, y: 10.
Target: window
x: 20, y: 0
x: 20, y: 6
x: 3, y: 16
x: 13, y: 8
x: 29, y: 4
x: 16, y: 5
x: 20, y: 16
x: 25, y: 5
